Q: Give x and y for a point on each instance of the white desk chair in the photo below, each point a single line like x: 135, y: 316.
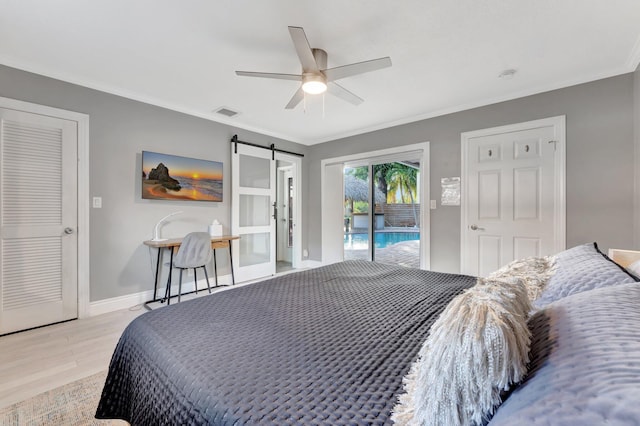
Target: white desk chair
x: 194, y: 252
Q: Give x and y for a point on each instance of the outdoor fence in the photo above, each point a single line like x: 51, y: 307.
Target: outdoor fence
x: 387, y: 215
x: 400, y: 215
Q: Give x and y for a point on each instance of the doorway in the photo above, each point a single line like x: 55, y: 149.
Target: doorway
x: 257, y: 211
x: 382, y: 204
x: 388, y: 209
x: 285, y: 222
x: 513, y: 202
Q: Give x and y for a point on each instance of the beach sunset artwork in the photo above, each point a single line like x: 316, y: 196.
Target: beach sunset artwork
x: 171, y: 177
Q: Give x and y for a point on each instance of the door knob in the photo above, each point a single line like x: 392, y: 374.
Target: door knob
x: 475, y: 227
x: 68, y: 231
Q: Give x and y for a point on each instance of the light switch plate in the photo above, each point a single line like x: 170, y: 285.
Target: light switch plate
x: 433, y: 204
x: 97, y: 202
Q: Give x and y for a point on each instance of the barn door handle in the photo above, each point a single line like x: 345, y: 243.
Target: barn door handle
x: 275, y: 211
x: 476, y: 228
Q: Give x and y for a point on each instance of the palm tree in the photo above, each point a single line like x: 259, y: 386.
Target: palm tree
x: 391, y: 179
x: 404, y: 179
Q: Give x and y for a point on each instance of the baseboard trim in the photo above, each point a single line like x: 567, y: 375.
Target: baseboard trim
x: 105, y: 306
x: 127, y: 301
x: 310, y: 264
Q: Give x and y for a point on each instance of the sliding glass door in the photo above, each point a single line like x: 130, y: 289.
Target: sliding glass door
x: 356, y: 213
x: 382, y: 211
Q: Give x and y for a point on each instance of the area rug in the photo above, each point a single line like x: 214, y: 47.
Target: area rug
x: 72, y: 404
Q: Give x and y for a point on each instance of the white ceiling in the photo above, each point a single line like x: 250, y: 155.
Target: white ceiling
x: 446, y: 55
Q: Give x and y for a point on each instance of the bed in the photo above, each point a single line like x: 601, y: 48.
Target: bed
x: 322, y: 346
x: 344, y: 344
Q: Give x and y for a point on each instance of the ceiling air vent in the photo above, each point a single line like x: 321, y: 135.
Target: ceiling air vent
x: 226, y: 112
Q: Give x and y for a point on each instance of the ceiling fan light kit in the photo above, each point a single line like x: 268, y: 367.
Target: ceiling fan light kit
x: 314, y: 84
x: 316, y: 78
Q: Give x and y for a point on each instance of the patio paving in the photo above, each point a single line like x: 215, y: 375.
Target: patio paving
x: 405, y: 253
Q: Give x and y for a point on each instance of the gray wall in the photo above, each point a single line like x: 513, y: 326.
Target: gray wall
x: 119, y: 130
x: 600, y: 168
x: 636, y: 131
x: 600, y: 164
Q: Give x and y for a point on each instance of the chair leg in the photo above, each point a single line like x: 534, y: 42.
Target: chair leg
x: 180, y: 286
x: 167, y: 292
x: 195, y: 280
x: 207, y: 277
x: 215, y: 268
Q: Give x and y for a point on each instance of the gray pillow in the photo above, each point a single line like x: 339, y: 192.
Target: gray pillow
x: 579, y: 269
x: 585, y: 362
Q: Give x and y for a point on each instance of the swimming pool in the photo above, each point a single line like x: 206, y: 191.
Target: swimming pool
x: 382, y: 239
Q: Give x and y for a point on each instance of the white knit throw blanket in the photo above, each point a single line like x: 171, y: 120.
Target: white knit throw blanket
x: 478, y: 347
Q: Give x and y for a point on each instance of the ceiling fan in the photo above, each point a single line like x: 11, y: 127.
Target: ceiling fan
x: 316, y: 78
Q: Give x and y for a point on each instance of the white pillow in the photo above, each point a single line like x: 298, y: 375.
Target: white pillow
x: 534, y: 271
x: 477, y: 348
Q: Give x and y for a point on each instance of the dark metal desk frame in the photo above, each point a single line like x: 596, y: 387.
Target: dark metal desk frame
x: 172, y: 244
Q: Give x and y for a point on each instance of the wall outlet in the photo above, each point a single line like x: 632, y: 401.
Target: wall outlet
x: 305, y: 253
x: 433, y: 204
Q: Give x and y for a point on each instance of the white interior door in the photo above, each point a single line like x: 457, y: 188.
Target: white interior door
x: 39, y: 215
x: 252, y: 211
x: 513, y: 200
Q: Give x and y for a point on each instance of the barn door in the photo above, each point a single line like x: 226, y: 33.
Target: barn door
x: 253, y: 211
x: 38, y: 213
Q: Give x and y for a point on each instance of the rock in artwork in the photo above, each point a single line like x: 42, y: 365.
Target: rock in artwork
x: 171, y: 177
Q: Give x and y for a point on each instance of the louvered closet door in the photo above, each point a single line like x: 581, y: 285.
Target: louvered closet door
x: 38, y: 210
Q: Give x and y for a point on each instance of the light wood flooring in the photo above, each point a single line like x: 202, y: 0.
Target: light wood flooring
x: 38, y: 360
x: 35, y: 361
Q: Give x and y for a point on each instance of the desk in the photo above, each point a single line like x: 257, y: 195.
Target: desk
x: 173, y: 243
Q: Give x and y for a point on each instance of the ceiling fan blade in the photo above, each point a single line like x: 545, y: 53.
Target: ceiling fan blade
x: 277, y: 76
x: 358, y: 68
x: 341, y: 92
x: 295, y: 99
x: 303, y: 50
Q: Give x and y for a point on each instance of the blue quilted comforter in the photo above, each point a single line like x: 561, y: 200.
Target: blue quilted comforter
x: 323, y: 346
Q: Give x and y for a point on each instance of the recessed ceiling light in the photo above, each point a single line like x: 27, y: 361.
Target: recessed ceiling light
x: 507, y: 74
